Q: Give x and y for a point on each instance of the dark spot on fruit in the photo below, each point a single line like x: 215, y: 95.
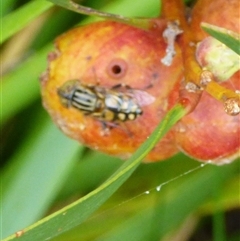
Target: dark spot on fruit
x: 117, y: 68
x: 53, y: 55
x: 88, y: 58
x: 155, y: 75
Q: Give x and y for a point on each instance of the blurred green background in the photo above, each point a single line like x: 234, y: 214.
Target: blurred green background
x: 42, y: 170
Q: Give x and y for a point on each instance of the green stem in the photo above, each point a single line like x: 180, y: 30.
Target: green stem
x: 143, y: 23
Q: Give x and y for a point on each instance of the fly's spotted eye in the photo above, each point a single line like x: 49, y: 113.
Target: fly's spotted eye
x: 117, y: 68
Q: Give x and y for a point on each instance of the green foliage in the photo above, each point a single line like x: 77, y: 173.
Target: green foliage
x: 229, y: 38
x: 19, y: 18
x: 75, y: 213
x: 47, y: 177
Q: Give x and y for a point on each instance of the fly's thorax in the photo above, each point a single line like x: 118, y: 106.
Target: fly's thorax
x: 85, y: 100
x: 82, y: 97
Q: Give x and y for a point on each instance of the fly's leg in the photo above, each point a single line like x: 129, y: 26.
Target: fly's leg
x: 107, y: 127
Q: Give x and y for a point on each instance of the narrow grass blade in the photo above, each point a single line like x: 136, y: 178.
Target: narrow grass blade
x: 35, y: 175
x: 71, y: 5
x: 15, y: 21
x: 22, y: 84
x: 74, y: 214
x: 171, y: 205
x: 6, y: 6
x: 229, y: 38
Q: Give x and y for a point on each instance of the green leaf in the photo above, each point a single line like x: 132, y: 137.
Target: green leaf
x: 75, y: 213
x: 15, y: 21
x: 132, y: 214
x: 20, y: 87
x: 166, y: 210
x: 227, y: 199
x: 219, y: 231
x: 6, y: 6
x: 35, y: 174
x: 71, y: 5
x: 228, y: 37
x: 92, y: 162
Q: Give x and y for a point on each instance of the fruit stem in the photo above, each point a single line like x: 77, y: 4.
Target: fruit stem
x: 174, y: 10
x: 230, y: 99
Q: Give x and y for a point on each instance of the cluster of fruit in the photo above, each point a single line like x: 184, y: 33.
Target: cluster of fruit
x: 109, y: 84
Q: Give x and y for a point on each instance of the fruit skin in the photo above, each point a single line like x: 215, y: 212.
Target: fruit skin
x: 90, y: 55
x: 217, y: 58
x: 221, y: 13
x: 208, y: 133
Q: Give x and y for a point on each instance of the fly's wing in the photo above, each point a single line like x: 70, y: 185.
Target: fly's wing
x: 142, y: 97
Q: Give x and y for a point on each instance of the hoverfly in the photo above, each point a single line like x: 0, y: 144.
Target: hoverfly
x: 107, y: 105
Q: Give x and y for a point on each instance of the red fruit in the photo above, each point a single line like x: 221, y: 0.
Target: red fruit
x: 103, y: 55
x: 217, y: 58
x: 222, y: 13
x: 208, y: 133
